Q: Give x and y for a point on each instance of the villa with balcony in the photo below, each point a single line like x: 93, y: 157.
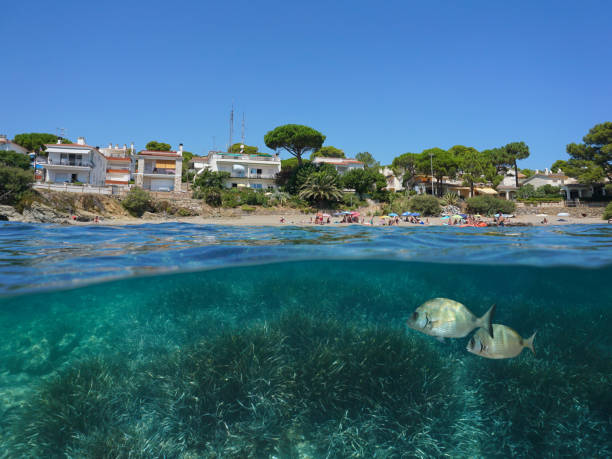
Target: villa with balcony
x: 342, y: 165
x: 160, y: 170
x: 73, y: 163
x: 256, y: 171
x: 118, y: 164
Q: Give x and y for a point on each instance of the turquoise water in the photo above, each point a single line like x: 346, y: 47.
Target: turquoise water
x: 182, y: 340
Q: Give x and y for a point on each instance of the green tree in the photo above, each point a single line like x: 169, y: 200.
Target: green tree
x: 584, y: 171
x: 186, y: 175
x: 516, y: 151
x: 14, y: 181
x: 425, y: 204
x: 473, y: 165
x: 363, y: 181
x: 327, y: 152
x: 444, y: 164
x: 35, y: 141
x: 294, y: 138
x: 367, y: 159
x: 499, y: 159
x: 321, y: 186
x: 11, y: 158
x: 154, y: 145
x: 597, y: 148
x: 530, y: 172
x: 209, y: 179
x: 248, y: 149
x: 407, y: 166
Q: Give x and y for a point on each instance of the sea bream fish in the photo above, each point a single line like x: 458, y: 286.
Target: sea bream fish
x: 506, y: 344
x: 445, y: 318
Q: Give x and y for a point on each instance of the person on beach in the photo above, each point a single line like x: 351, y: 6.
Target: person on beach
x: 282, y: 219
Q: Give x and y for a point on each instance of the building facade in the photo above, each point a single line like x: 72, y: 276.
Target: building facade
x: 256, y: 171
x: 159, y: 170
x: 118, y: 164
x: 7, y: 145
x: 342, y: 165
x: 74, y: 163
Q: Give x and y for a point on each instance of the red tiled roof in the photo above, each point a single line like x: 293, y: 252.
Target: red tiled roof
x: 118, y: 171
x: 68, y: 145
x: 113, y: 158
x: 159, y: 153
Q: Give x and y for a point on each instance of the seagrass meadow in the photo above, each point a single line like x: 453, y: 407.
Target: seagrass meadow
x: 307, y: 359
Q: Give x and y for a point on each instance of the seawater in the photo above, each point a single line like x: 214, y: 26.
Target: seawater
x: 180, y: 340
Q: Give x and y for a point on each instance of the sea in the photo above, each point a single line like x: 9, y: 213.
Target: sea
x: 178, y: 340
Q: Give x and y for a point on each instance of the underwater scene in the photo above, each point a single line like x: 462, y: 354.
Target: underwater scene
x: 185, y: 341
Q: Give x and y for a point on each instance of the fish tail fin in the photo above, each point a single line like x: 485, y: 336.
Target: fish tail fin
x: 486, y: 321
x: 528, y: 343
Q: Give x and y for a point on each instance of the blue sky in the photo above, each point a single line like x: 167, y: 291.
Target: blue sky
x: 385, y: 77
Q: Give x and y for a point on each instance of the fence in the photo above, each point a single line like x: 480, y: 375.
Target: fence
x: 71, y: 188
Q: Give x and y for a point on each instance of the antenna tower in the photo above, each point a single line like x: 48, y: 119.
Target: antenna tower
x: 242, y: 128
x: 231, y: 128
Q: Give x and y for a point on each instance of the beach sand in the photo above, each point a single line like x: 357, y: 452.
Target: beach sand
x: 305, y: 219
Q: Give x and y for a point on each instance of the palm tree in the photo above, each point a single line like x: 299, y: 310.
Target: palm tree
x: 321, y: 186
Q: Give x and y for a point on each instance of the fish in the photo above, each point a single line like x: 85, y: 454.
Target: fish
x: 506, y: 344
x: 446, y: 318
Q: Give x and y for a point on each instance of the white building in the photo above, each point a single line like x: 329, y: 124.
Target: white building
x: 393, y: 183
x: 256, y: 171
x: 7, y: 145
x: 507, y: 187
x: 160, y: 170
x: 74, y: 162
x: 118, y: 164
x: 546, y: 178
x: 342, y: 165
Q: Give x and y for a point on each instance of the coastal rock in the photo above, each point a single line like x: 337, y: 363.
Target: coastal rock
x: 40, y: 213
x: 8, y: 213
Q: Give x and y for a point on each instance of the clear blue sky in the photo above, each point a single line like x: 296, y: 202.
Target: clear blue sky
x: 385, y: 77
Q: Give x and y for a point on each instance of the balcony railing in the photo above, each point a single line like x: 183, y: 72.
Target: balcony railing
x: 67, y: 162
x: 248, y: 158
x: 160, y: 171
x: 253, y: 176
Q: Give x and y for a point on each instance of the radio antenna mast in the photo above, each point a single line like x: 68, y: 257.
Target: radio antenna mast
x: 231, y: 133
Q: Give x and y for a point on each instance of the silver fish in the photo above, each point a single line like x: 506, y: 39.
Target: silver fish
x: 506, y: 344
x: 445, y: 318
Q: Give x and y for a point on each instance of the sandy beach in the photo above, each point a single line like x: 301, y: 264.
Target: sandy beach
x: 305, y: 220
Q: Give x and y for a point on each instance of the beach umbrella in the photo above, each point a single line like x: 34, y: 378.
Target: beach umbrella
x: 541, y: 215
x: 393, y: 214
x: 463, y: 215
x: 416, y: 214
x: 326, y: 215
x: 337, y: 214
x: 355, y: 214
x: 407, y: 214
x: 563, y: 214
x: 385, y: 216
x: 346, y: 212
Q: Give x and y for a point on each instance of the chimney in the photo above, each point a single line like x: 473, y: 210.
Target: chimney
x: 181, y: 149
x: 116, y: 146
x: 110, y: 145
x: 59, y: 140
x: 132, y: 147
x: 125, y: 146
x: 81, y: 140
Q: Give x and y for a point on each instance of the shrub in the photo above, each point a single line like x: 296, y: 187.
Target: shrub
x: 183, y: 212
x: 137, y: 202
x: 13, y: 159
x: 489, y: 205
x: 425, y: 204
x: 248, y: 208
x: 14, y: 181
x: 212, y: 197
x: 450, y: 199
x: 608, y: 211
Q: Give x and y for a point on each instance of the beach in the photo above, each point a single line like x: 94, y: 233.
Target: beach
x: 306, y: 220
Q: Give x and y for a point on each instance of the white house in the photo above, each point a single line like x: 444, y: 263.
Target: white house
x: 254, y: 171
x: 507, y: 187
x: 74, y: 162
x: 7, y: 145
x: 118, y: 164
x: 546, y: 178
x: 160, y: 170
x: 342, y: 165
x: 393, y: 183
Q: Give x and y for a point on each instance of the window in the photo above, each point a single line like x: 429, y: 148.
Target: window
x: 257, y: 185
x: 234, y: 185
